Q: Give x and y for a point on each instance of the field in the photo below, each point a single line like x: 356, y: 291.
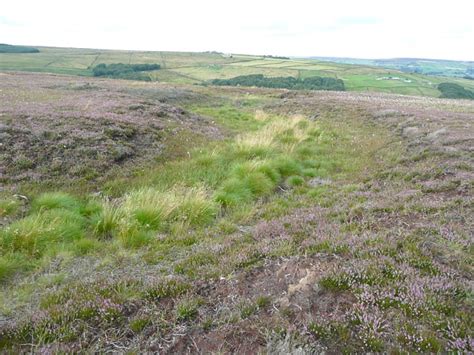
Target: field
x: 171, y: 217
x: 196, y: 68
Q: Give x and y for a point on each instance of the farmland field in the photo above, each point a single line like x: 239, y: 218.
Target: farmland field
x: 196, y: 68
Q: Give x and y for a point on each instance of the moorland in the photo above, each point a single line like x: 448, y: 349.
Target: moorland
x: 176, y: 216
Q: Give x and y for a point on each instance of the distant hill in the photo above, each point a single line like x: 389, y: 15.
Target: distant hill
x: 438, y: 67
x: 8, y: 48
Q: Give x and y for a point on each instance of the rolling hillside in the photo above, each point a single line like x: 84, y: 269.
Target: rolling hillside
x: 197, y: 68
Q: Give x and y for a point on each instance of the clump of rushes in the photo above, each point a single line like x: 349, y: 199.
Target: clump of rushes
x: 233, y: 192
x: 165, y: 289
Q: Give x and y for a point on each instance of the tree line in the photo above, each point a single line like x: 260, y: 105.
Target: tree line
x: 8, y: 48
x: 455, y: 91
x: 125, y: 71
x: 289, y: 82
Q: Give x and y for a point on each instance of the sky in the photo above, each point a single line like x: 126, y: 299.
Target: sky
x: 334, y: 28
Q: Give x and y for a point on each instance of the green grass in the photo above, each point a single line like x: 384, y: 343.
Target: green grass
x: 55, y: 200
x: 9, y: 207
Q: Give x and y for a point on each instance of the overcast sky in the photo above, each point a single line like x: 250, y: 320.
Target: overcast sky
x: 351, y: 28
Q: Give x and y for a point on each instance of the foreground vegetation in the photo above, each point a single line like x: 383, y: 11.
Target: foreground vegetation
x: 210, y: 184
x: 262, y: 220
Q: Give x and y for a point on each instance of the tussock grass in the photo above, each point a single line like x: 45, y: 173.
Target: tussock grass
x: 184, y: 194
x: 154, y: 208
x: 34, y: 234
x: 55, y: 200
x: 106, y: 220
x: 135, y: 217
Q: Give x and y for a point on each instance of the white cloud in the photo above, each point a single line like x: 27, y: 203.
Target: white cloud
x: 363, y: 28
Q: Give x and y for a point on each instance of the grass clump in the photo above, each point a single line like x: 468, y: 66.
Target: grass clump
x: 106, y: 221
x: 10, y: 264
x: 156, y: 209
x: 187, y: 309
x: 287, y: 166
x: 138, y: 324
x: 166, y: 289
x: 85, y: 246
x: 233, y: 192
x: 55, y: 200
x: 37, y: 233
x: 295, y: 180
x: 8, y: 207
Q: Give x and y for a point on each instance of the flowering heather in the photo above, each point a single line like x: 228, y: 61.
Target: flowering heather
x: 56, y: 126
x: 376, y: 259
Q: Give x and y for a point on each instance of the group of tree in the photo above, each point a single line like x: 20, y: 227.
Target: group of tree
x: 289, y: 82
x: 125, y: 71
x: 275, y: 57
x: 455, y: 91
x: 8, y: 48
